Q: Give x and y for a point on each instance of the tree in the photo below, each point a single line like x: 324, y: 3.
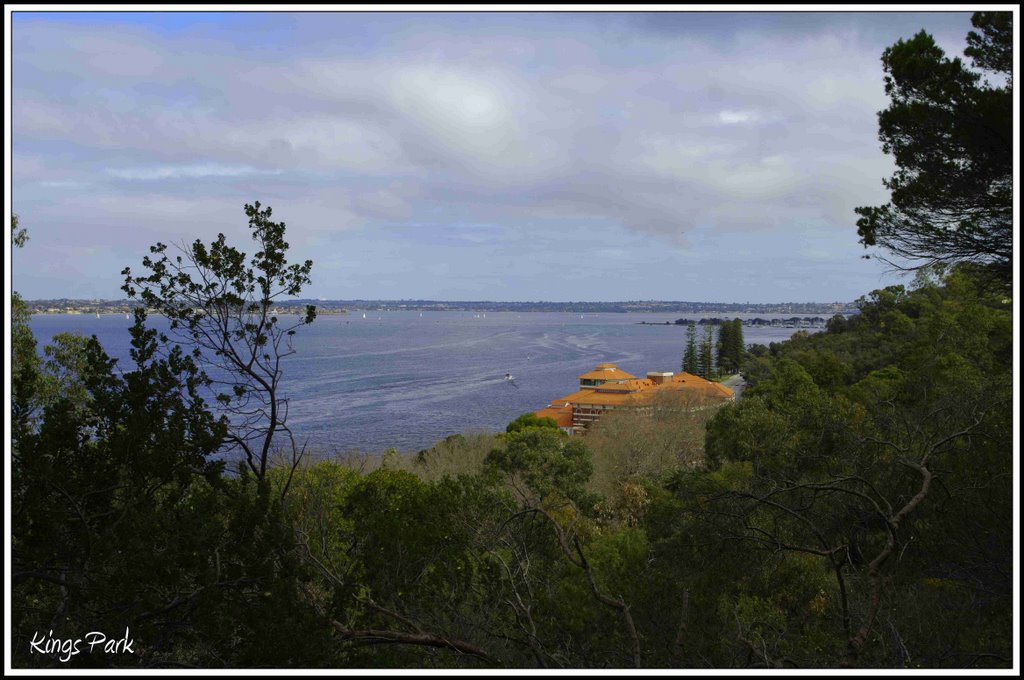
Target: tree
x: 26, y: 364
x: 542, y: 464
x: 951, y: 136
x: 738, y: 346
x: 706, y: 354
x: 98, y: 491
x: 882, y: 454
x: 690, y: 363
x: 730, y: 345
x: 18, y: 236
x: 724, y: 342
x: 530, y: 420
x: 222, y: 306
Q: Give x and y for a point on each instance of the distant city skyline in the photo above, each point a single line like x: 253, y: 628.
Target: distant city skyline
x: 503, y: 156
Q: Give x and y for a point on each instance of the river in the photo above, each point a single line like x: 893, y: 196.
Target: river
x: 408, y: 379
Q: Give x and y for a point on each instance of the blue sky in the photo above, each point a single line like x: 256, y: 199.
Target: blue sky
x: 470, y: 155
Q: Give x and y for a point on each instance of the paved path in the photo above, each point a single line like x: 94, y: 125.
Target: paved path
x: 736, y: 383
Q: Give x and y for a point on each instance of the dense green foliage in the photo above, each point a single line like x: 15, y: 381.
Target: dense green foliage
x: 884, y: 447
x: 854, y: 509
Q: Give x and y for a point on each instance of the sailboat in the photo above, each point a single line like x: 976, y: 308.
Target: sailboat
x: 97, y: 315
x: 364, y: 315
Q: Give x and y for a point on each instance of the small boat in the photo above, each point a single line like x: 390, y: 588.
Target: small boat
x: 97, y: 315
x: 127, y: 318
x: 364, y: 315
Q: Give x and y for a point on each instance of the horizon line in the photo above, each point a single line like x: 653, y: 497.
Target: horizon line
x: 505, y: 302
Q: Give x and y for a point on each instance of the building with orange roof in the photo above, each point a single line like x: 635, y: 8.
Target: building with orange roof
x: 562, y: 416
x: 603, y: 373
x: 607, y: 388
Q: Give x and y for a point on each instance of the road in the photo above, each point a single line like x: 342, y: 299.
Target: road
x: 736, y: 383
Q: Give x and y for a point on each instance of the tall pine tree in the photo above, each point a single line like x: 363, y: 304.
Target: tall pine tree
x: 724, y: 355
x: 690, y: 361
x: 739, y: 347
x: 949, y: 130
x: 730, y: 345
x: 706, y: 355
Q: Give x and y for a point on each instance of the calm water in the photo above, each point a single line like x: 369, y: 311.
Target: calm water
x: 399, y: 379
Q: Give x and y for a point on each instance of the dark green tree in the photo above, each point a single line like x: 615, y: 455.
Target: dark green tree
x: 528, y: 420
x: 543, y: 464
x: 690, y: 361
x: 98, y: 487
x: 950, y: 134
x: 738, y: 348
x: 730, y: 345
x: 222, y: 306
x: 880, y: 453
x: 706, y: 353
x: 722, y: 347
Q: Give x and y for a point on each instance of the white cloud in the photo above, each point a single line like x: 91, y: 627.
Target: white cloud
x: 734, y: 117
x: 197, y: 171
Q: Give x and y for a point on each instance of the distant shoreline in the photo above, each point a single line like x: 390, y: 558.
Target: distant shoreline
x: 791, y: 322
x: 325, y: 307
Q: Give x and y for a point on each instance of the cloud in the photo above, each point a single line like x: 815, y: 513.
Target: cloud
x: 198, y: 171
x: 650, y: 131
x: 734, y: 117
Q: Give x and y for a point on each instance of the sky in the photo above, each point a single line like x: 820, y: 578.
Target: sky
x: 560, y: 156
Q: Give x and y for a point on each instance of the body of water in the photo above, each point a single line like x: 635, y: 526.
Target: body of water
x: 407, y: 380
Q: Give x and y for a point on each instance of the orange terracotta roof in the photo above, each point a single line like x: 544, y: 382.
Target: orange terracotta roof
x: 726, y: 391
x: 647, y: 390
x: 606, y: 372
x: 636, y: 391
x: 570, y: 398
x: 562, y: 416
x: 633, y: 385
x: 706, y: 385
x: 607, y: 398
x: 699, y: 387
